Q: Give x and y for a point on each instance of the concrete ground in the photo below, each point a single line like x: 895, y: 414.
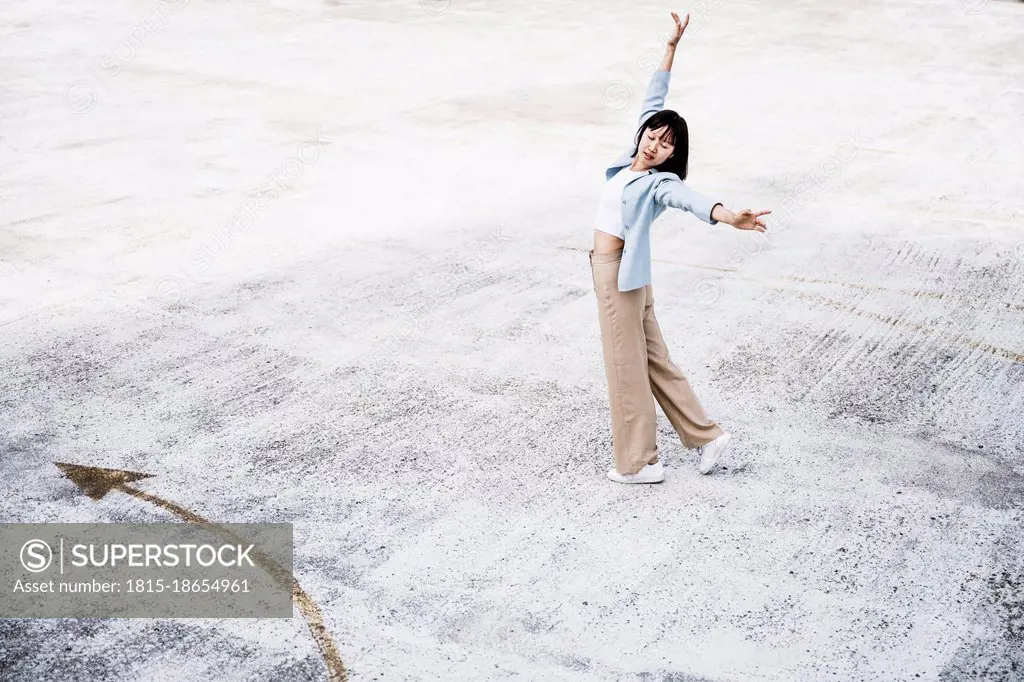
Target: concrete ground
x: 395, y: 347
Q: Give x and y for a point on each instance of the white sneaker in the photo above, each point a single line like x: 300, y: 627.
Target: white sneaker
x: 711, y: 452
x: 652, y: 473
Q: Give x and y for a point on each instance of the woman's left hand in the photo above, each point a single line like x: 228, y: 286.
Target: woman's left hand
x: 673, y: 40
x: 749, y: 220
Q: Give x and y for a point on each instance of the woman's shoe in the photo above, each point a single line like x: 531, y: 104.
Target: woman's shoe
x: 711, y: 452
x: 652, y: 473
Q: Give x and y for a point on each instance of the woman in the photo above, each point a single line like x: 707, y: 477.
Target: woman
x: 640, y: 185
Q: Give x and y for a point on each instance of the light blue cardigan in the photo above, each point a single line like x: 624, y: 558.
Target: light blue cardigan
x: 645, y: 198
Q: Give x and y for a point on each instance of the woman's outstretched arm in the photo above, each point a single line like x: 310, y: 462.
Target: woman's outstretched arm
x: 654, y: 98
x: 678, y: 195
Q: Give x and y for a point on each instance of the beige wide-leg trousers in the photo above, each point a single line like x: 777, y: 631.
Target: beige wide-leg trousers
x: 639, y: 371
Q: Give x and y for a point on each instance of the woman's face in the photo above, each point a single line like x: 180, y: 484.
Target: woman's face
x: 654, y: 150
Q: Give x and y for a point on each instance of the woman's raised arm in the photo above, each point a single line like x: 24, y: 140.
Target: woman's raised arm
x: 670, y: 48
x: 654, y: 98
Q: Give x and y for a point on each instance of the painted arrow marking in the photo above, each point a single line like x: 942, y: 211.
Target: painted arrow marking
x: 97, y: 482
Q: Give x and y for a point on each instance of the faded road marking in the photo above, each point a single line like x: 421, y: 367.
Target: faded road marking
x: 97, y: 482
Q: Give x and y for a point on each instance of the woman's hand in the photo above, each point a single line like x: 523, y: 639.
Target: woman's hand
x: 680, y: 27
x: 749, y: 220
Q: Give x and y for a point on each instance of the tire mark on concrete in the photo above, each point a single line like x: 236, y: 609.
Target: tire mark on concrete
x: 913, y: 292
x: 891, y: 320
x: 846, y: 357
x: 896, y: 321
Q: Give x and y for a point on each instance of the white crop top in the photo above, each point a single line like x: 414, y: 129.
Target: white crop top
x: 609, y: 210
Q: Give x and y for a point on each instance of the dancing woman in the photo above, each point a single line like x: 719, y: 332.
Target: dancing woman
x: 640, y: 185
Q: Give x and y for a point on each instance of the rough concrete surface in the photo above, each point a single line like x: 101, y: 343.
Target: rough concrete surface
x: 400, y: 353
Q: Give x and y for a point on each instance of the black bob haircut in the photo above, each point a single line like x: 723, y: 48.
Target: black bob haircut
x: 677, y: 134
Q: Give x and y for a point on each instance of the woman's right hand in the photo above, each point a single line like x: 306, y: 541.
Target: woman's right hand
x: 680, y: 27
x: 749, y: 220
